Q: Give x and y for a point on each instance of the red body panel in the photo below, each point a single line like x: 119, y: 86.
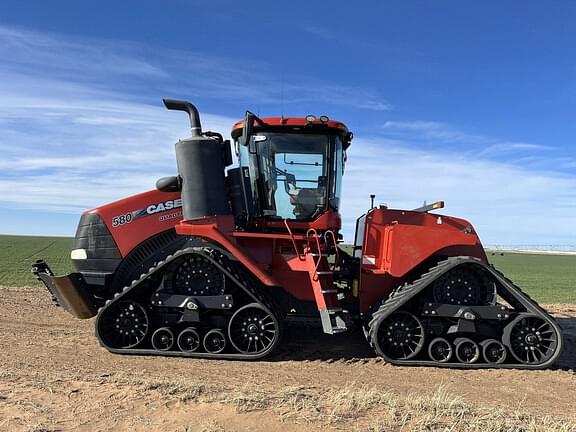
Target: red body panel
x: 398, y: 241
x: 270, y: 257
x: 136, y: 218
x: 395, y: 243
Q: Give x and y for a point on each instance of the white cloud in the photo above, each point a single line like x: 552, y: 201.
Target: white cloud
x: 132, y: 68
x: 87, y: 151
x: 81, y: 60
x: 444, y: 133
x: 507, y: 203
x: 444, y: 137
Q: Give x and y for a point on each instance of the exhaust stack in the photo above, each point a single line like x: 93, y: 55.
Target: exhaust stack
x: 193, y: 114
x: 201, y: 163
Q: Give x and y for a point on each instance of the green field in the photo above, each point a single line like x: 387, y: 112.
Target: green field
x: 547, y: 278
x: 17, y: 253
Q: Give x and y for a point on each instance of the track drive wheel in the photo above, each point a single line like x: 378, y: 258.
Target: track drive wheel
x: 464, y: 285
x: 253, y: 330
x: 195, y: 275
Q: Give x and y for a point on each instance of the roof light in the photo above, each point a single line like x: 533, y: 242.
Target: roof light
x: 310, y: 118
x: 324, y: 119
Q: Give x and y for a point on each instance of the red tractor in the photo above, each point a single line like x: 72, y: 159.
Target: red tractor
x: 214, y: 261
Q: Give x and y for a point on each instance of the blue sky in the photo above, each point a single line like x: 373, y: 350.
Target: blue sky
x: 470, y: 102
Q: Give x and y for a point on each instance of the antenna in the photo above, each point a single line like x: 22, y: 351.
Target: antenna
x: 282, y: 96
x: 372, y: 196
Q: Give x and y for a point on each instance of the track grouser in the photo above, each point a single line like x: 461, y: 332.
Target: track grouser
x: 215, y: 260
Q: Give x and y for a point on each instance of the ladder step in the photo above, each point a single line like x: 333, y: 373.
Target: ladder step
x: 330, y: 291
x: 324, y: 272
x: 333, y: 320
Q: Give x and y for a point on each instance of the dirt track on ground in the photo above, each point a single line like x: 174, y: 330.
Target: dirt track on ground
x: 55, y: 376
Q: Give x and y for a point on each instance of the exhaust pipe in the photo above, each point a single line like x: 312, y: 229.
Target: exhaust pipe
x: 180, y: 105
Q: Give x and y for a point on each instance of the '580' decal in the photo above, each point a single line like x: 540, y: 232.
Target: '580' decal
x: 121, y: 220
x: 150, y: 210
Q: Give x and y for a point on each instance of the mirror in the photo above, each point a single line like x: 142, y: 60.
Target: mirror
x: 247, y: 132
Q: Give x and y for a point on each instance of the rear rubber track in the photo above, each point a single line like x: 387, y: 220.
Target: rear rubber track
x: 509, y: 291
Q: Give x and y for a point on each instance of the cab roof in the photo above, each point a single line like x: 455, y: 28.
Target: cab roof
x: 295, y: 124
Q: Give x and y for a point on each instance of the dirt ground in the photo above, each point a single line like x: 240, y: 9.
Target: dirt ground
x: 55, y: 376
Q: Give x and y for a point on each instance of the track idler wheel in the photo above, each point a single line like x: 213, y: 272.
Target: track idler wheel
x: 214, y: 341
x: 123, y: 325
x: 253, y: 330
x: 493, y: 351
x: 162, y: 339
x: 399, y: 336
x: 440, y: 350
x: 531, y: 339
x: 188, y: 340
x: 467, y: 351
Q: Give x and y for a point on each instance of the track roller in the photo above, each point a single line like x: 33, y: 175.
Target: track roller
x: 440, y: 350
x: 162, y: 339
x: 214, y: 341
x: 467, y: 351
x: 188, y: 340
x: 493, y: 351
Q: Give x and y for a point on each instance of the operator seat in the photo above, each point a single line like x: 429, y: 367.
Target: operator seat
x: 306, y: 201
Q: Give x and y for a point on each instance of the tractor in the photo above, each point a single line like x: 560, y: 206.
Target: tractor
x: 216, y: 260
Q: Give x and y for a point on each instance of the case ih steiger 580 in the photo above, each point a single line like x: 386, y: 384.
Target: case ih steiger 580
x: 212, y: 262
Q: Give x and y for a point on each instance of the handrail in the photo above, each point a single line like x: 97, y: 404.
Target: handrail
x: 317, y: 238
x: 293, y: 240
x: 330, y: 233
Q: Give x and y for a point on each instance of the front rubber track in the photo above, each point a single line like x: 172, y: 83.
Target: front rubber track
x: 223, y: 263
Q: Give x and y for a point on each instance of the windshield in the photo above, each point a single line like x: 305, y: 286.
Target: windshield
x: 292, y: 175
x: 296, y: 182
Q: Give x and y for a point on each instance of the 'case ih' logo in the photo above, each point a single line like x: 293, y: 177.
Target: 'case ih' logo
x: 150, y: 210
x: 166, y: 205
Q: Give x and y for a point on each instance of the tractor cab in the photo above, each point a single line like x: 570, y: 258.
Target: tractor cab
x: 289, y: 168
